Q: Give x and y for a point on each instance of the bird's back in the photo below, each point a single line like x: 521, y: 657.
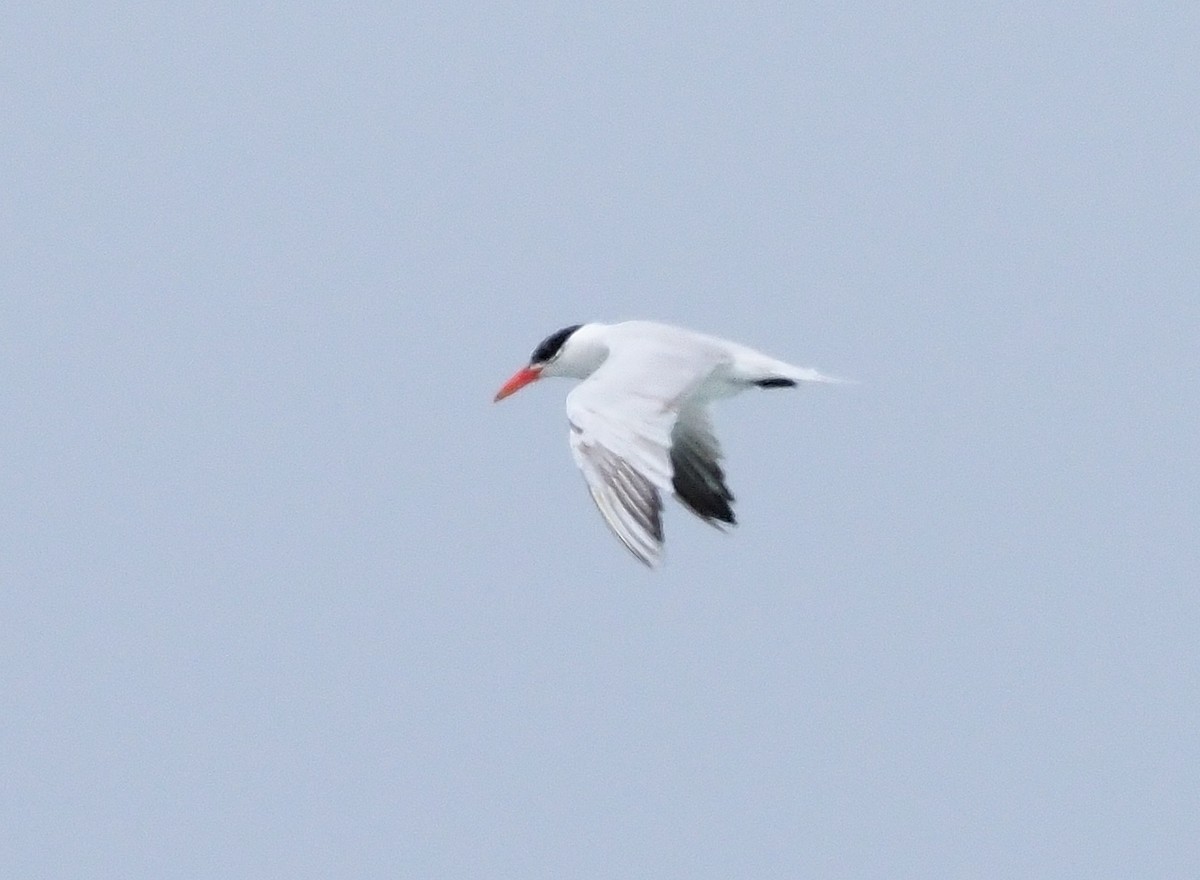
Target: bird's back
x: 723, y: 367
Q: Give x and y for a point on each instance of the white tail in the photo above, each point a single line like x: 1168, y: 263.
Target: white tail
x: 803, y: 374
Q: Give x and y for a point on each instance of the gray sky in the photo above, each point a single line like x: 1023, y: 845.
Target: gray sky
x: 284, y: 595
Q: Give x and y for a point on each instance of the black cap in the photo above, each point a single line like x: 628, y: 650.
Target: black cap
x: 550, y: 346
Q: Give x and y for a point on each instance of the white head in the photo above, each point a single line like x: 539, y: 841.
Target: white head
x: 575, y: 352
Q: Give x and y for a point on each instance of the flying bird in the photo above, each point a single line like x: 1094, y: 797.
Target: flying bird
x: 639, y: 422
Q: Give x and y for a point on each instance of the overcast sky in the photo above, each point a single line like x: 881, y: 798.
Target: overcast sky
x: 282, y: 593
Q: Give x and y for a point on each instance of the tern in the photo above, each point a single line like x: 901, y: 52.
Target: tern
x: 639, y: 420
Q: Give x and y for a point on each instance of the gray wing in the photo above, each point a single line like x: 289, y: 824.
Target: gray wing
x: 636, y: 433
x: 628, y: 500
x: 697, y: 477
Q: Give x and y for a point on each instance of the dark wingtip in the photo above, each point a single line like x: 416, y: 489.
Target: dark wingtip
x: 776, y: 382
x: 700, y: 485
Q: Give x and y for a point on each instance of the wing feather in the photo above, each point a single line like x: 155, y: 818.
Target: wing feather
x: 629, y: 503
x: 635, y: 433
x: 699, y: 480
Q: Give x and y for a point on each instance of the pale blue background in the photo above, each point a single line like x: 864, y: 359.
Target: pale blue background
x: 284, y: 595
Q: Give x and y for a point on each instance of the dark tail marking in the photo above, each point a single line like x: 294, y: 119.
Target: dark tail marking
x: 776, y: 382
